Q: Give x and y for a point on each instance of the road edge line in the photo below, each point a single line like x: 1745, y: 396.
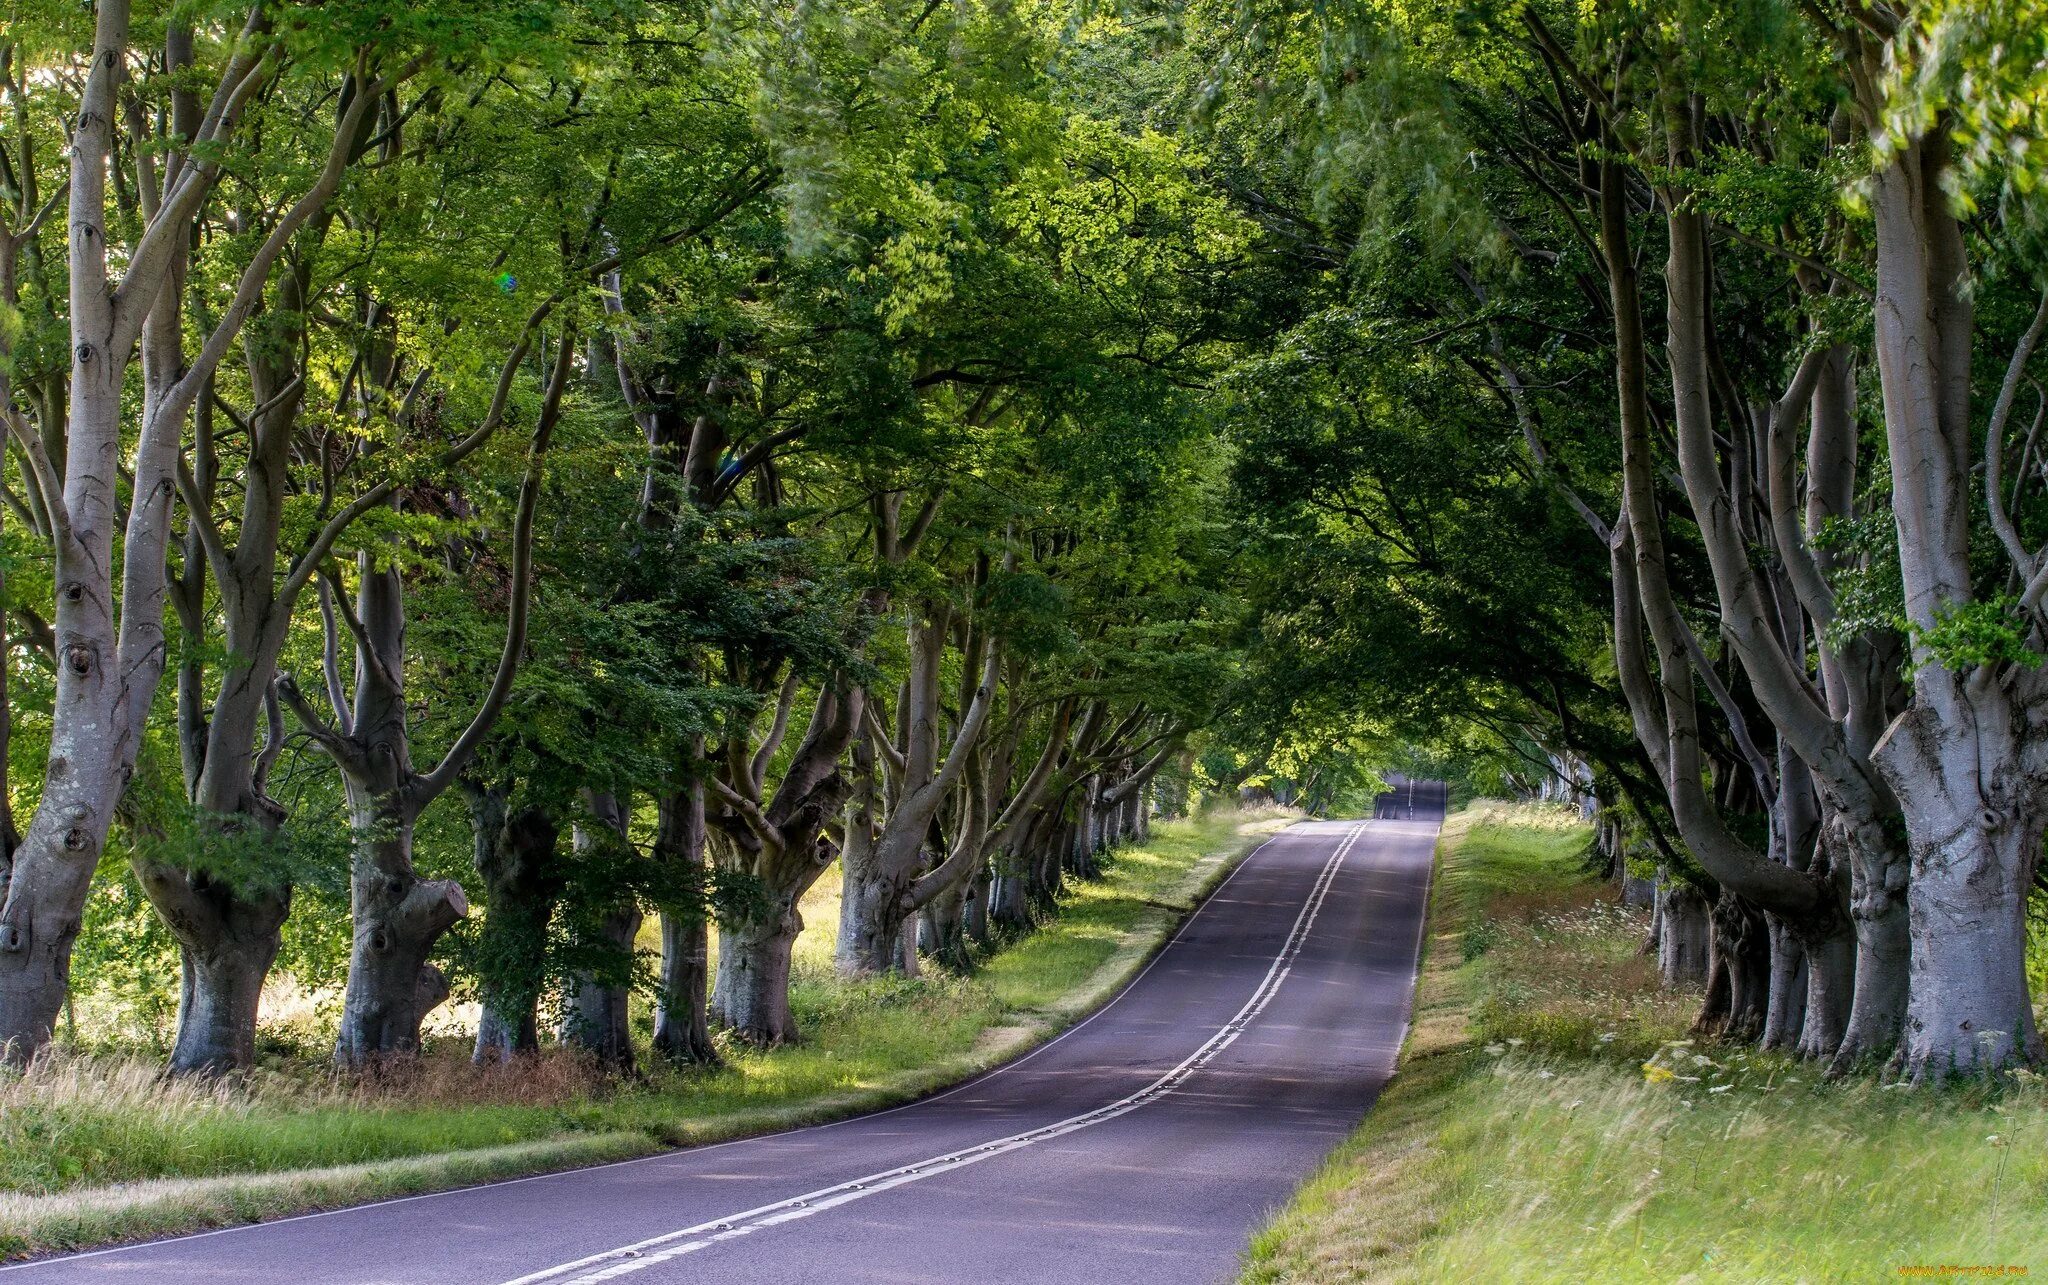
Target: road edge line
x: 873, y: 1103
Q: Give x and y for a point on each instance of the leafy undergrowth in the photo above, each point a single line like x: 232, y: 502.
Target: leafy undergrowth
x: 1551, y: 1122
x: 296, y: 1135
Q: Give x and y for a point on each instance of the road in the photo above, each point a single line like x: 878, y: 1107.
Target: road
x: 1146, y: 1144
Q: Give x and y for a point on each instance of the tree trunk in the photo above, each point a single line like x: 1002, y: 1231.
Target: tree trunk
x: 109, y: 632
x: 1682, y: 940
x: 1785, y: 1020
x: 1049, y: 873
x: 870, y: 916
x: 682, y: 1018
x: 871, y: 919
x: 596, y: 1002
x: 515, y: 855
x: 1969, y: 1008
x: 399, y: 918
x: 886, y: 877
x: 1965, y: 760
x: 1009, y: 898
x: 1739, y: 971
x: 1880, y: 964
x: 751, y: 997
x: 595, y: 1009
x: 227, y: 943
x: 682, y: 1022
x: 1832, y: 990
x: 1636, y: 890
x: 1087, y: 836
x: 974, y: 906
x: 942, y: 930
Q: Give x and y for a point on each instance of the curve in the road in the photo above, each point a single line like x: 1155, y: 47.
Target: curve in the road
x: 628, y: 1259
x: 1142, y: 1145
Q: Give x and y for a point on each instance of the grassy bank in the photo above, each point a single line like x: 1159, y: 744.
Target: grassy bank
x: 1552, y: 1123
x: 94, y: 1150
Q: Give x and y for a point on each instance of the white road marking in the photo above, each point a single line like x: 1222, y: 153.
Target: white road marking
x: 691, y: 1152
x: 627, y: 1259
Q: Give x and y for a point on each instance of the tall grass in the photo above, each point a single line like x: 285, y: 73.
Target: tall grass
x: 75, y: 1124
x: 1551, y: 1122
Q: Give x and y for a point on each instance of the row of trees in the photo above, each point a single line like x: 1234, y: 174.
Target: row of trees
x: 710, y: 444
x: 1680, y: 414
x: 704, y: 443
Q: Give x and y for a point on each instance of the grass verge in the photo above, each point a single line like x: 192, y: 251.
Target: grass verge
x: 94, y: 1151
x: 1551, y: 1122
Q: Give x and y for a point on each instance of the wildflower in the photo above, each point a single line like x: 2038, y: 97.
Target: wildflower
x: 1654, y: 1074
x: 1545, y: 1075
x: 1607, y: 1037
x: 1720, y: 1088
x: 1496, y: 1049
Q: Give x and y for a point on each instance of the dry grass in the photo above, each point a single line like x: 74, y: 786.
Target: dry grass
x: 165, y: 1206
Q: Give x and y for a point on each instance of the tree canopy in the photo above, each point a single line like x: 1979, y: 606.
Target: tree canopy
x: 478, y: 475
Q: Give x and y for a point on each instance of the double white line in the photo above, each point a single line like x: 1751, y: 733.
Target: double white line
x: 624, y: 1261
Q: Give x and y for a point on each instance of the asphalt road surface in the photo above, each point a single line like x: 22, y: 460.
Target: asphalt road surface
x: 1144, y: 1145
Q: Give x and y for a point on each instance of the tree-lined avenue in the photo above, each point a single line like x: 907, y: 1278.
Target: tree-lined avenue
x: 1303, y: 962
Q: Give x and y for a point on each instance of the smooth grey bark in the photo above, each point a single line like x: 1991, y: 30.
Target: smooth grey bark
x: 1967, y: 759
x: 1663, y: 708
x: 221, y: 990
x: 108, y: 636
x: 1012, y: 907
x: 974, y: 919
x: 1862, y: 819
x: 1637, y: 891
x: 596, y: 1012
x: 751, y: 995
x: 226, y: 773
x: 967, y: 867
x: 1009, y: 898
x: 226, y: 932
x: 682, y: 1022
x: 1785, y: 1017
x: 1860, y: 680
x: 1087, y: 837
x: 942, y: 930
x: 782, y: 842
x: 1683, y: 934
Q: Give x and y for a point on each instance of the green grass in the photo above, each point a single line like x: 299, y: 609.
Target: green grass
x: 297, y: 1136
x: 1552, y: 1123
